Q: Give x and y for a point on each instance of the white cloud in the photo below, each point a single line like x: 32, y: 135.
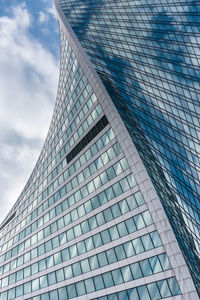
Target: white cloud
x: 42, y: 18
x: 51, y: 10
x: 28, y: 82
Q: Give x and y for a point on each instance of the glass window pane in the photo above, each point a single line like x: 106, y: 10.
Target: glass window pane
x: 146, y: 240
x: 55, y: 242
x: 85, y: 265
x: 80, y: 287
x: 92, y: 223
x: 105, y: 236
x: 108, y: 215
x: 117, y: 277
x: 85, y: 227
x: 114, y: 233
x: 116, y: 211
x: 136, y: 271
x: 43, y: 281
x: 52, y: 278
x: 60, y: 275
x: 94, y: 264
x: 147, y: 218
x: 126, y: 273
x: 34, y: 268
x: 27, y: 287
x: 153, y: 291
x: 98, y: 282
x: 42, y: 265
x: 73, y: 251
x: 102, y: 259
x: 89, y: 285
x: 131, y: 202
x: 62, y: 292
x: 76, y: 269
x: 155, y: 264
x: 139, y: 198
x: 19, y: 276
x: 124, y: 185
x: 100, y: 219
x: 139, y: 221
x: 143, y: 292
x: 145, y: 267
x: 71, y: 290
x: 45, y: 296
x: 156, y: 239
x: 97, y: 240
x: 68, y: 272
x: 50, y: 261
x: 111, y: 256
x: 131, y: 180
x: 129, y: 250
x: 164, y: 261
x: 19, y: 290
x: 173, y: 284
x: 109, y: 193
x: 117, y: 189
x: 119, y: 250
x: 108, y: 280
x: 164, y: 288
x: 130, y: 224
x: 133, y: 294
x: 122, y: 229
x: 53, y: 295
x: 81, y: 248
x: 89, y: 244
x: 137, y: 245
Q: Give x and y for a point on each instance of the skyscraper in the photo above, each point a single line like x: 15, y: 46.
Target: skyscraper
x: 111, y: 208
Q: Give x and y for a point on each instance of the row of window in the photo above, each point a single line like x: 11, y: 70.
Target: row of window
x: 65, y: 73
x: 110, y: 213
x: 52, y: 149
x: 87, y: 189
x: 106, y: 236
x: 60, y: 119
x: 63, y: 105
x: 105, y: 216
x: 67, y: 68
x: 85, y: 93
x: 125, y: 250
x: 66, y: 97
x: 91, y: 118
x: 79, y: 101
x: 152, y: 291
x: 74, y: 125
x: 90, y: 102
x: 106, y: 138
x: 79, y: 131
x: 98, y: 163
x: 118, y: 276
x: 52, y: 175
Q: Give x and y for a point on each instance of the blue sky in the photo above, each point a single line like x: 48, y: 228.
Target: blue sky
x: 29, y: 64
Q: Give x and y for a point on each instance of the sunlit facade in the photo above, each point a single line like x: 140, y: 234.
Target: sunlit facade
x: 111, y: 208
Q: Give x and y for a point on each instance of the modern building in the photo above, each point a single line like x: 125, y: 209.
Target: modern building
x: 111, y: 209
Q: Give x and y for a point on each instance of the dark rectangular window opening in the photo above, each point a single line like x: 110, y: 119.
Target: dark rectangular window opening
x: 103, y: 122
x: 9, y: 219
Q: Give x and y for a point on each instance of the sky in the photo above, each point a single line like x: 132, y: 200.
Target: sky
x: 29, y: 65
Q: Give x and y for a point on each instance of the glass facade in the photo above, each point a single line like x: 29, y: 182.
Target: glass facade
x: 82, y: 227
x: 147, y: 55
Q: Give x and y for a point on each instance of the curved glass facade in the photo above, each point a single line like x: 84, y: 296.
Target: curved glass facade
x: 147, y: 55
x: 89, y: 223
